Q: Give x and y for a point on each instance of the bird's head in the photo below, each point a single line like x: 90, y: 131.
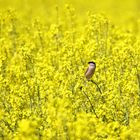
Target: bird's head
x: 91, y: 63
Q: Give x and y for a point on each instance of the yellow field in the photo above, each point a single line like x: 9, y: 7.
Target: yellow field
x: 45, y: 47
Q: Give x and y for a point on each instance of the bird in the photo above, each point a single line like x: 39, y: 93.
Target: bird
x: 90, y: 70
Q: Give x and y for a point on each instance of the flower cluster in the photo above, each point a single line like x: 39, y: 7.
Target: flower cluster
x: 43, y: 91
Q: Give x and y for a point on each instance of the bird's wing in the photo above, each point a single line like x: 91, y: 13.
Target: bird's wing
x: 86, y: 71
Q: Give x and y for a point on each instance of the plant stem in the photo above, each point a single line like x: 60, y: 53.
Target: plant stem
x: 96, y: 85
x: 91, y: 104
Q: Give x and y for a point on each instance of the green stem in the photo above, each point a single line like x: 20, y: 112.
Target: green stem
x: 90, y: 104
x: 96, y: 85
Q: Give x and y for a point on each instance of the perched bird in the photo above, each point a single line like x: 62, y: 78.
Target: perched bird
x: 90, y: 70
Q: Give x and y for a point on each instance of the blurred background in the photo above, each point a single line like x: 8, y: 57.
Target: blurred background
x: 121, y: 12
